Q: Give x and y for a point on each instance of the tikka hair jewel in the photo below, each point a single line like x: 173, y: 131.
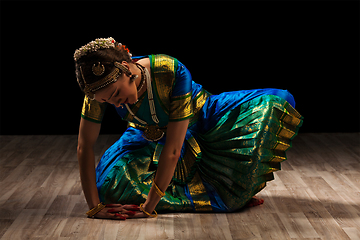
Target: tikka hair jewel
x: 110, y: 78
x: 98, y: 69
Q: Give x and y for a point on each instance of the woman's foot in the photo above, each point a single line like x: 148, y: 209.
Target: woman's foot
x: 255, y: 201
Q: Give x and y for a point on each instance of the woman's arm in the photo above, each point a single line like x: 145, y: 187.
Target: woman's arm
x: 180, y: 109
x: 88, y: 134
x: 169, y: 157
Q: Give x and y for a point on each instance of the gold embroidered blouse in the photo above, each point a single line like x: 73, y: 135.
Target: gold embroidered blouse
x: 173, y: 87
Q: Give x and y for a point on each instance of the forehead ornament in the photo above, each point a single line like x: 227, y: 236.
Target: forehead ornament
x: 98, y: 69
x: 110, y: 78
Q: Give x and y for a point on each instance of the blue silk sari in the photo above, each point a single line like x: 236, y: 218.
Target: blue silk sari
x: 234, y: 143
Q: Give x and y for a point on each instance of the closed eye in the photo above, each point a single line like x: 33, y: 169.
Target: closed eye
x: 111, y: 95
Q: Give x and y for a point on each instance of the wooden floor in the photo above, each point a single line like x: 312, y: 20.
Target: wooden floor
x: 315, y: 196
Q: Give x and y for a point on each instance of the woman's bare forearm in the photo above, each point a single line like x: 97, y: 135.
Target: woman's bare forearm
x: 168, y: 159
x: 88, y: 133
x: 86, y: 160
x: 164, y: 174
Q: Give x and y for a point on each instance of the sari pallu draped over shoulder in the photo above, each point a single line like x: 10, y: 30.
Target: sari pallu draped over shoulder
x: 234, y: 143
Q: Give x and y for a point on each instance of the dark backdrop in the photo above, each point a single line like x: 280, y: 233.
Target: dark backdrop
x: 309, y: 48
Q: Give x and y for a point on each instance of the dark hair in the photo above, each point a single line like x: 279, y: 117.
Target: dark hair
x: 106, y: 56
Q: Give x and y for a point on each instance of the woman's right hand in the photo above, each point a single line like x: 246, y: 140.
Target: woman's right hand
x: 118, y: 211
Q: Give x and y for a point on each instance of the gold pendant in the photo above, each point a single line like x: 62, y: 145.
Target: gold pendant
x: 153, y: 133
x: 98, y: 70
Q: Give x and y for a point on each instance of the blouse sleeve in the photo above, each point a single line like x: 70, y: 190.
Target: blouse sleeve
x: 181, y: 107
x: 93, y: 110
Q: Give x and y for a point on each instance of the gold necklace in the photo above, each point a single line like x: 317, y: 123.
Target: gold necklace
x: 151, y: 132
x: 142, y: 81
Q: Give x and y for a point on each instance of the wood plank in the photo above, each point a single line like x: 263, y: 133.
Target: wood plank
x: 25, y: 224
x: 297, y: 225
x: 326, y: 226
x: 315, y: 196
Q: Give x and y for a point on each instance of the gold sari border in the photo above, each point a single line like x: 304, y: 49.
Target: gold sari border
x: 199, y: 195
x: 177, y: 98
x: 181, y: 109
x: 200, y: 100
x: 163, y: 73
x: 93, y: 110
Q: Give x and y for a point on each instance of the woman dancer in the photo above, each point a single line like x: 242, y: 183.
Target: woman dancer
x: 185, y: 150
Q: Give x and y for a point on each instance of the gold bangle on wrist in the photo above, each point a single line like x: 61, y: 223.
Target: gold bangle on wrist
x: 95, y: 210
x: 150, y: 215
x: 158, y: 191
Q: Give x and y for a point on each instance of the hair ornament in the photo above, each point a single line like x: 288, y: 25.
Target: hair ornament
x: 97, y: 44
x: 98, y: 70
x: 91, y: 88
x: 93, y: 46
x: 122, y: 68
x: 127, y: 50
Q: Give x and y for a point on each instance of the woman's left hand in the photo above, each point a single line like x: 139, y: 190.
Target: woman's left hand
x: 140, y: 214
x: 133, y: 211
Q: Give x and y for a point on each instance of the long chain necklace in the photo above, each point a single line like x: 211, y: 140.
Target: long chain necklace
x: 151, y: 132
x: 142, y: 81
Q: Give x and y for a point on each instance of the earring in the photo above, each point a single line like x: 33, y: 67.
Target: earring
x: 133, y: 77
x: 128, y: 73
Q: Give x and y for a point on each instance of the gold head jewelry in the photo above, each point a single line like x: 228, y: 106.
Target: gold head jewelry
x: 123, y: 68
x: 110, y: 78
x: 98, y: 70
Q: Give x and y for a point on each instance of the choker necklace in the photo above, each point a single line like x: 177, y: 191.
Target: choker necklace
x: 151, y: 132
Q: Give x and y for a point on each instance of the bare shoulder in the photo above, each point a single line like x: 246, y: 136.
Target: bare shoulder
x: 145, y: 62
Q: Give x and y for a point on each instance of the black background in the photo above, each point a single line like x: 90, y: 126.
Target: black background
x: 310, y: 48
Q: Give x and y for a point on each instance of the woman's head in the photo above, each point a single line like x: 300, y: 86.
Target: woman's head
x: 102, y: 63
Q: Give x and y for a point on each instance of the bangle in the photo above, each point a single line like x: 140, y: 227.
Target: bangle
x: 150, y: 215
x: 158, y: 191
x: 95, y: 210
